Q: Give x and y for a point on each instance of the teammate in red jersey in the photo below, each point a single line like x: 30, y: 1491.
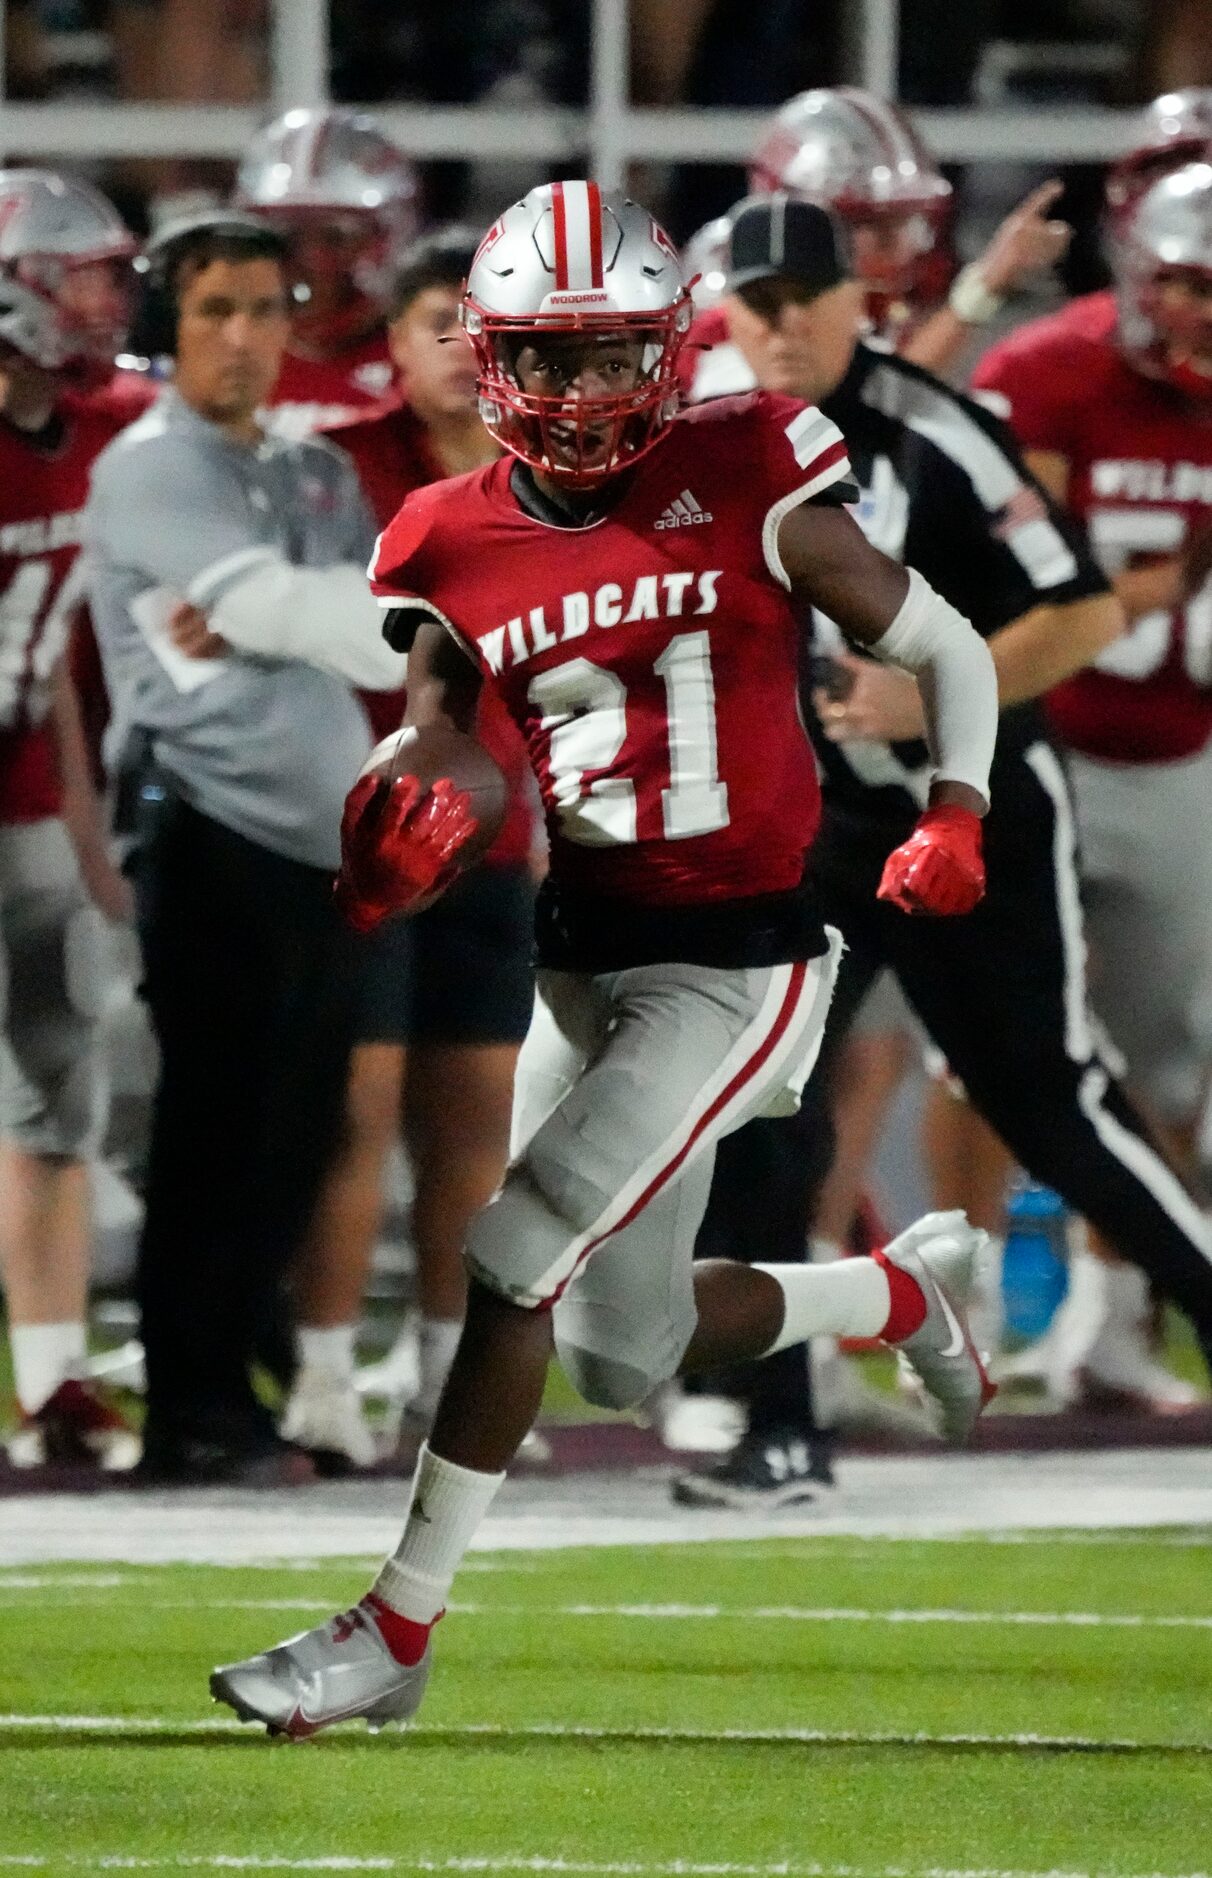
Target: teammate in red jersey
x: 448, y: 995
x: 348, y: 199
x: 628, y: 584
x: 1176, y: 129
x: 860, y: 156
x: 1116, y: 424
x: 64, y: 300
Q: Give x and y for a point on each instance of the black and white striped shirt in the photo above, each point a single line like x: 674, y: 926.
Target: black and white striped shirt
x: 943, y: 489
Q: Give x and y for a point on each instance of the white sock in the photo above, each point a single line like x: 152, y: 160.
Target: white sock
x: 448, y: 1502
x: 44, y: 1355
x: 847, y: 1299
x: 330, y: 1350
x: 438, y: 1342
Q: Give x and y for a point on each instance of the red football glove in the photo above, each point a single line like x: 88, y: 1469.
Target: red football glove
x: 398, y: 846
x: 940, y: 869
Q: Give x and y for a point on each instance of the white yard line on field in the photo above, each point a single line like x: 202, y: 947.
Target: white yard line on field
x: 136, y: 1725
x: 467, y: 1867
x: 678, y: 1613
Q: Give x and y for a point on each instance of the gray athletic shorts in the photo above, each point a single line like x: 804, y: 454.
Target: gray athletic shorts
x: 1146, y: 847
x: 52, y: 1090
x: 626, y: 1082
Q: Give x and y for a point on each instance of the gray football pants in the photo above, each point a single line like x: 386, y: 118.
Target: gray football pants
x: 52, y: 1086
x: 1146, y: 845
x: 626, y: 1082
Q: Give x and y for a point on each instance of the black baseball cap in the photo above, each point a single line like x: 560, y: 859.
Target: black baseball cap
x: 781, y: 237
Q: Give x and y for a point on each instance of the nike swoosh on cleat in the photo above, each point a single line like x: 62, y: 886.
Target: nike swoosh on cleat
x: 958, y: 1342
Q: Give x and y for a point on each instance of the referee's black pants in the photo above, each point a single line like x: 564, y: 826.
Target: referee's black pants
x: 250, y: 982
x: 1002, y: 993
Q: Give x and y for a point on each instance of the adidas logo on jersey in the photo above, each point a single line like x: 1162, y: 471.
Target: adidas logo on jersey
x: 683, y: 512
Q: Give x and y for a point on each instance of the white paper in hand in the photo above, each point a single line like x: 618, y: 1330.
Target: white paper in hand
x: 150, y: 611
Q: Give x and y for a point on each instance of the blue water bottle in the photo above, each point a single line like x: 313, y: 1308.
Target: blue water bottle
x: 1035, y: 1275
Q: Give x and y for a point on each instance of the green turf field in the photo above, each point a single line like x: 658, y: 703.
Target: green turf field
x: 746, y: 1709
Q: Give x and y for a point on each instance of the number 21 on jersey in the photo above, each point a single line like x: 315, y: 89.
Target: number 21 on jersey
x: 584, y: 712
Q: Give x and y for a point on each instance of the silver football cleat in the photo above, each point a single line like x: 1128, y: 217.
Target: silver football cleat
x: 340, y: 1671
x: 939, y: 1252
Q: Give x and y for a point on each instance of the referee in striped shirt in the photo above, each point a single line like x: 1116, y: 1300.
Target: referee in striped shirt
x: 1002, y: 992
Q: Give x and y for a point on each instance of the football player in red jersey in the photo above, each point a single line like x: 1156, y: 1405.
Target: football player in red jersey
x: 860, y: 156
x: 627, y: 580
x: 448, y: 995
x: 348, y: 199
x: 1174, y: 130
x: 65, y: 262
x: 1119, y: 427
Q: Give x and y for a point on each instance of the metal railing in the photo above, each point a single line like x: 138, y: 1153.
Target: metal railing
x: 609, y: 133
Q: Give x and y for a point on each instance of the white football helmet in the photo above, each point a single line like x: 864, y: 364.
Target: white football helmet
x: 570, y: 260
x: 1163, y: 249
x: 66, y: 285
x: 705, y: 262
x: 1175, y: 129
x: 334, y: 170
x: 860, y: 156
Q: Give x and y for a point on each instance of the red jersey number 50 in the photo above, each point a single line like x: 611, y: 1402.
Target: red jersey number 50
x: 584, y: 712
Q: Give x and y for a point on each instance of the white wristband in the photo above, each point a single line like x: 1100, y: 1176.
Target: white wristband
x: 957, y: 679
x: 971, y: 300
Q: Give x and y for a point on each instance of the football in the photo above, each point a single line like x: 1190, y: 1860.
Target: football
x: 433, y: 752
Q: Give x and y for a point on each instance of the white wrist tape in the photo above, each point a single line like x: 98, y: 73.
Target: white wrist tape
x: 971, y: 300
x: 957, y: 679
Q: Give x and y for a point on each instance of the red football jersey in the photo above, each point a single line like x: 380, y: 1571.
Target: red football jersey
x: 1141, y: 482
x: 314, y: 394
x: 42, y: 496
x: 650, y: 659
x: 392, y: 456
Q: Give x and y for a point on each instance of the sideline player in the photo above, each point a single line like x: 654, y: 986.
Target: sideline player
x: 1003, y: 993
x: 65, y: 294
x: 860, y: 156
x: 448, y: 994
x: 1117, y: 427
x: 347, y: 198
x: 243, y: 743
x: 628, y: 585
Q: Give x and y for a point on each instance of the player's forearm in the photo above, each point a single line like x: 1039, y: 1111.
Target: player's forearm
x: 443, y: 684
x: 322, y: 616
x: 958, y: 683
x: 82, y: 809
x: 1049, y: 644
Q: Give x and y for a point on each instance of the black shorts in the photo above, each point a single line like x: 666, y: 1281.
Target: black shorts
x: 463, y: 972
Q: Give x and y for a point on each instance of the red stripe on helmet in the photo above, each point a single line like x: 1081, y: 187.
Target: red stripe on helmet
x: 595, y: 234
x: 561, y: 236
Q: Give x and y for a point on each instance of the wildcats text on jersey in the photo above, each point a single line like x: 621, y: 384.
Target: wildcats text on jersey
x: 1151, y: 480
x: 42, y: 534
x: 652, y: 596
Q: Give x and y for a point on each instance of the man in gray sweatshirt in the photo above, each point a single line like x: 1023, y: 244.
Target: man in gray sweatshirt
x: 234, y: 621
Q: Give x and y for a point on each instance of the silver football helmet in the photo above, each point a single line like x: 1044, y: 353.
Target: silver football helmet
x: 571, y: 264
x: 1162, y: 264
x: 347, y: 195
x: 705, y: 262
x: 66, y: 285
x: 855, y: 153
x: 1175, y: 129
